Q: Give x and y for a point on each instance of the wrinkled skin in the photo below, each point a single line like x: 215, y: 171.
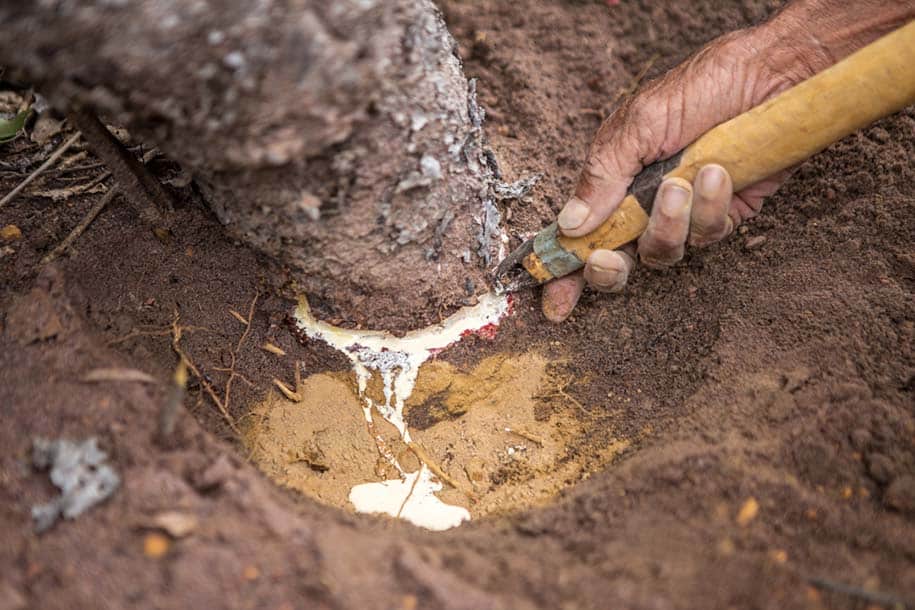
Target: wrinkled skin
x: 729, y: 76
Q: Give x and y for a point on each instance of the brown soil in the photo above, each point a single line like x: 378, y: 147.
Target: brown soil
x: 503, y: 432
x: 779, y: 377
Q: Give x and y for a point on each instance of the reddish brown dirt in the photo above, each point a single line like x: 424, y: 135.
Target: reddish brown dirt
x: 782, y: 373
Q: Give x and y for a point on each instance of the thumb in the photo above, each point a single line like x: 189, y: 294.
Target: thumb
x: 717, y: 83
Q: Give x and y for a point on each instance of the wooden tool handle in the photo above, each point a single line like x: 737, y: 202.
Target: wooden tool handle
x: 872, y: 83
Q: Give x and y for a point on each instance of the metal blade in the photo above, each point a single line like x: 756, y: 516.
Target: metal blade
x: 510, y: 275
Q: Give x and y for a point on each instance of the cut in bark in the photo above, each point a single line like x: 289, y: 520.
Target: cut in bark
x: 340, y: 138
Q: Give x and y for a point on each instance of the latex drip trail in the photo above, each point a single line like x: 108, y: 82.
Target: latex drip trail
x: 397, y: 360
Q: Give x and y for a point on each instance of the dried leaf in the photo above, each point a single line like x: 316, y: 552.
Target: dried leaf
x: 176, y: 524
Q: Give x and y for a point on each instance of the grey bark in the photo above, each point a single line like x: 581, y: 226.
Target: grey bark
x: 341, y: 138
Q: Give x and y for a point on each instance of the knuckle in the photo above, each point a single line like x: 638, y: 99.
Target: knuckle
x: 661, y: 241
x: 654, y: 263
x: 661, y: 258
x: 707, y: 232
x: 702, y: 239
x: 615, y: 288
x: 606, y: 284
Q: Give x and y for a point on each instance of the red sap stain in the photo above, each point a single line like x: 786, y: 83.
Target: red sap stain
x: 486, y: 332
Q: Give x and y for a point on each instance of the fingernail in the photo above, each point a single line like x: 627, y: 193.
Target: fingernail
x: 607, y: 268
x: 711, y: 177
x: 606, y: 260
x: 573, y: 214
x: 674, y: 199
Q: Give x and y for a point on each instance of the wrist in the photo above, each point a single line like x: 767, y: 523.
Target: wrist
x: 789, y: 50
x: 808, y: 36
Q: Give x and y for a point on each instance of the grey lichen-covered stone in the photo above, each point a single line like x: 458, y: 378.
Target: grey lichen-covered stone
x: 79, y: 470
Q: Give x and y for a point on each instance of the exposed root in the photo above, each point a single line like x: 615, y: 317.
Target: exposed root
x: 239, y: 376
x: 142, y: 190
x: 239, y: 317
x: 559, y: 391
x: 234, y: 357
x: 155, y: 332
x: 426, y: 459
x: 176, y: 346
x: 287, y: 392
x: 293, y: 395
x: 273, y: 349
x: 526, y: 435
x: 409, y: 495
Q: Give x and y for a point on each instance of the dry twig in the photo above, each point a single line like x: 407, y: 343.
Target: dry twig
x: 94, y: 211
x: 50, y: 161
x: 118, y: 374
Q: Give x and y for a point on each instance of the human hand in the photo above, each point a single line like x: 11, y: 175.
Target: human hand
x: 728, y: 77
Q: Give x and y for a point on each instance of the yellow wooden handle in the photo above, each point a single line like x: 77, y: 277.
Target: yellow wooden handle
x: 872, y: 83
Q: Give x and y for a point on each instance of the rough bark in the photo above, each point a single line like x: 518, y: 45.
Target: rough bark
x: 341, y: 138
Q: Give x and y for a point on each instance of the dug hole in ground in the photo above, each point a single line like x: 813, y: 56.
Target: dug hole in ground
x: 737, y: 432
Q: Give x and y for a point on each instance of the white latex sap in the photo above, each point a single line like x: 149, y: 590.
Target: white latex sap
x: 397, y: 360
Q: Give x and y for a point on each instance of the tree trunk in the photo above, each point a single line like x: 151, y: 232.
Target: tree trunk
x: 341, y: 137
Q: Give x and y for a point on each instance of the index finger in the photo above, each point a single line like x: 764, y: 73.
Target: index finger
x: 613, y: 160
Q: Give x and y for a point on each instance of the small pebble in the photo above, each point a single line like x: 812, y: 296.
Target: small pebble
x: 880, y: 467
x: 747, y: 512
x: 155, y: 546
x: 46, y: 127
x: 778, y: 555
x: 755, y: 242
x: 10, y: 233
x: 901, y: 494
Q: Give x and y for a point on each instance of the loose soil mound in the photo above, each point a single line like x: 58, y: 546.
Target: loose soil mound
x: 765, y: 386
